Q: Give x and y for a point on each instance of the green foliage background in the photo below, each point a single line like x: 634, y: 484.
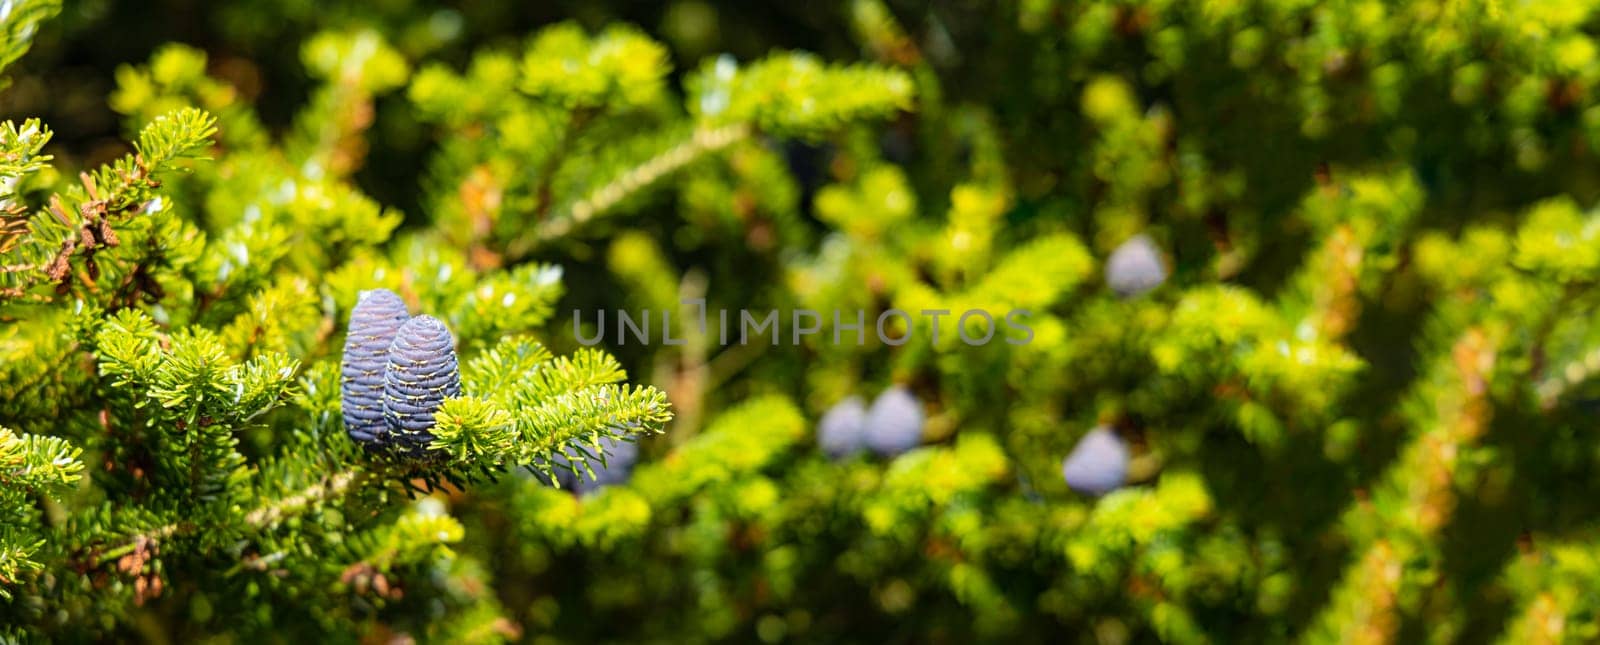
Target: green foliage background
x: 1362, y: 408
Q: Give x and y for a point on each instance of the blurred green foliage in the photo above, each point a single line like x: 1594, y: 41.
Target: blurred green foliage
x: 1357, y: 407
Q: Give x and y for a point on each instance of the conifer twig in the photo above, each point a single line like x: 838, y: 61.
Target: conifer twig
x: 1425, y: 481
x: 702, y: 141
x: 334, y: 486
x: 259, y: 518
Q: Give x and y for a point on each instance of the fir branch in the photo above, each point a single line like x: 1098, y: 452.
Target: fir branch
x: 1552, y: 582
x: 85, y: 221
x: 37, y: 463
x: 327, y: 136
x: 1418, y: 497
x: 702, y: 141
x: 260, y: 518
x: 20, y: 156
x: 1361, y: 220
x: 328, y: 488
x: 30, y: 466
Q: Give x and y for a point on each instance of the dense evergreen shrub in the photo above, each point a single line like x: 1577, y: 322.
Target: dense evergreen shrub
x: 1289, y: 322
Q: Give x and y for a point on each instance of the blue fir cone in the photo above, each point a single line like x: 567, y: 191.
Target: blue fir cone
x: 1135, y: 267
x: 376, y: 318
x: 423, y: 372
x: 841, y: 431
x: 894, y: 422
x: 1098, y: 464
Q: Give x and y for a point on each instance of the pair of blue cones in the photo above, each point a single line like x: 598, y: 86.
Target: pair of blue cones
x: 892, y: 425
x: 397, y: 371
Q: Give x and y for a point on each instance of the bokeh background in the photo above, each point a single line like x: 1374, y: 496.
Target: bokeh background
x: 1358, y: 408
